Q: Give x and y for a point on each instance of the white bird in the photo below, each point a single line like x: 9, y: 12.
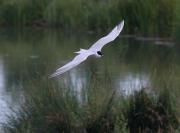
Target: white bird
x: 95, y: 50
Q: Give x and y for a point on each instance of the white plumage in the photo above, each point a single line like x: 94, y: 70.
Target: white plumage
x: 95, y: 50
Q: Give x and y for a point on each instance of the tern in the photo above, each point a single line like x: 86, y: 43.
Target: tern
x: 94, y: 50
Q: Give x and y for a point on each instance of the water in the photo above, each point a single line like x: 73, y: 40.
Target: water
x: 129, y: 63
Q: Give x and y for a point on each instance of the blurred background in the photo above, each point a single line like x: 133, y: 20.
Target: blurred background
x: 142, y: 17
x: 133, y: 88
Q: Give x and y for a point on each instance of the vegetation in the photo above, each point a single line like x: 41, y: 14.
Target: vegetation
x: 147, y: 17
x: 146, y: 114
x: 177, y: 22
x: 49, y: 110
x: 60, y: 110
x: 52, y: 107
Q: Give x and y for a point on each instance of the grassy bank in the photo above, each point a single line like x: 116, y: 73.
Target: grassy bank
x: 146, y: 17
x: 100, y: 109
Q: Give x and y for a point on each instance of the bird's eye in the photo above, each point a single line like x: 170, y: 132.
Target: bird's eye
x: 99, y: 53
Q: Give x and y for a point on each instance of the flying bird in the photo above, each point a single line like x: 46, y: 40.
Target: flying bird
x: 95, y: 50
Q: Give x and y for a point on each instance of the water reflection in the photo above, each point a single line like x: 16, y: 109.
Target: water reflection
x: 128, y: 65
x: 132, y: 82
x: 76, y: 80
x: 2, y: 74
x: 5, y: 97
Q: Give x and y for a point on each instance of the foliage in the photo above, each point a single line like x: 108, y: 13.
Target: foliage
x: 147, y: 114
x: 59, y: 110
x: 147, y: 17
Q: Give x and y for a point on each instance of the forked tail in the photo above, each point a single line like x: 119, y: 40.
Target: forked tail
x: 81, y: 51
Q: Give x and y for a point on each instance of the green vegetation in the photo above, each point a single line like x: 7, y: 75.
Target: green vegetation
x: 99, y: 109
x: 147, y: 17
x: 151, y: 114
x: 177, y: 22
x: 60, y: 110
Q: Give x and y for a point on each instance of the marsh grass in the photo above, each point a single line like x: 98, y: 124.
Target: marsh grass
x: 59, y: 110
x: 151, y: 114
x: 177, y: 22
x: 146, y: 17
x: 50, y: 110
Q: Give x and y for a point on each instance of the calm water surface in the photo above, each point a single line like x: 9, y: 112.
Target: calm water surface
x: 129, y: 63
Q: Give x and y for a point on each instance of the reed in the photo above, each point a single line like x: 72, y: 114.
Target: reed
x: 145, y: 17
x: 47, y: 109
x: 151, y: 114
x: 100, y: 109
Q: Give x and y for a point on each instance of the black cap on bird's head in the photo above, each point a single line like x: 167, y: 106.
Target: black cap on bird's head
x: 99, y: 53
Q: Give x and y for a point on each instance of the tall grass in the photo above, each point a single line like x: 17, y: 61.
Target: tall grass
x: 147, y: 17
x: 177, y: 22
x: 151, y: 114
x: 59, y: 110
x: 50, y: 110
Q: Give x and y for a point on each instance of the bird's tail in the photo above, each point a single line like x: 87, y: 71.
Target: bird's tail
x: 81, y: 51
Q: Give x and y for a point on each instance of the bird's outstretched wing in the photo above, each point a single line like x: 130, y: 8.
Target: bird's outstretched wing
x: 76, y: 61
x: 97, y: 46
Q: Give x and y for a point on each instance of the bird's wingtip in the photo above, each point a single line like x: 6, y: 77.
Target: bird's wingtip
x: 121, y: 25
x: 53, y: 75
x: 122, y: 21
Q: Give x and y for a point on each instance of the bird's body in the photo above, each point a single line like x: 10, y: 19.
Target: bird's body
x: 90, y: 52
x: 94, y: 50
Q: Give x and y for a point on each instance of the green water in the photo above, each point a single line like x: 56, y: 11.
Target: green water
x: 128, y: 64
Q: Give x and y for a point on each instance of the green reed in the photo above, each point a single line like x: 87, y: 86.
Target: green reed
x: 47, y: 109
x: 177, y: 22
x: 100, y: 109
x: 147, y: 17
x: 151, y: 114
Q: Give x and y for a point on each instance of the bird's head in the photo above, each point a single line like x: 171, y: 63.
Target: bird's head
x: 99, y: 54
